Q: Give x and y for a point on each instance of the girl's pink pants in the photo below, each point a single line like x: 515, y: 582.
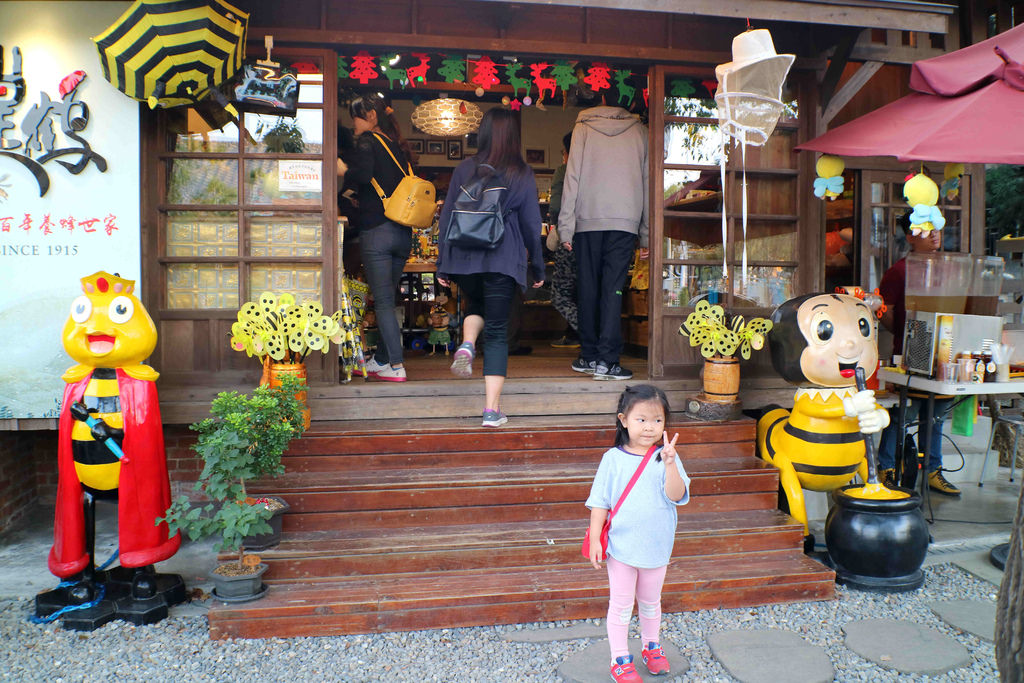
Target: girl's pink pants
x: 627, y: 583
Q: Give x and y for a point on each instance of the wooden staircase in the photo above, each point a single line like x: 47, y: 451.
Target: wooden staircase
x: 398, y: 529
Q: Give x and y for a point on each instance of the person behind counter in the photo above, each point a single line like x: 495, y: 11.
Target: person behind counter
x: 385, y: 245
x: 488, y: 277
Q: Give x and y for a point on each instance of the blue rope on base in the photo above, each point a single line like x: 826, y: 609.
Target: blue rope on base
x: 86, y: 605
x: 70, y: 608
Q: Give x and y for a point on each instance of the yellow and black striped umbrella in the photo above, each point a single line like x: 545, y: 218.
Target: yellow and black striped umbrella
x: 170, y: 52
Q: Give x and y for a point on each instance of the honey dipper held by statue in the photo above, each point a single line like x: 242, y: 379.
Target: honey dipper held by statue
x: 817, y: 341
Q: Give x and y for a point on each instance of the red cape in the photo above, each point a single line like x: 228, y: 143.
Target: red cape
x: 144, y: 491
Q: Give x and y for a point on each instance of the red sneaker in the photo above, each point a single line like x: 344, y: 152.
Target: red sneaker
x: 655, y: 659
x: 623, y: 671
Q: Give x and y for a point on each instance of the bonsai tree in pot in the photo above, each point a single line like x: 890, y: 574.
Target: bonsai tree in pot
x: 243, y: 439
x: 721, y: 339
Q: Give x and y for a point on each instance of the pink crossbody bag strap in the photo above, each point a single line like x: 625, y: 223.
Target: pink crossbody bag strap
x: 636, y: 475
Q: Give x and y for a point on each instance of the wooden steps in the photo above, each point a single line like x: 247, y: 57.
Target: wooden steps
x: 455, y: 525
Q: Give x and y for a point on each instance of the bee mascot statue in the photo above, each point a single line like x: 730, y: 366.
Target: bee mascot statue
x: 817, y: 342
x: 111, y: 446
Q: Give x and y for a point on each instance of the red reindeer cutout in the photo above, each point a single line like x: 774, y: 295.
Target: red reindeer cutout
x: 543, y: 84
x: 420, y: 70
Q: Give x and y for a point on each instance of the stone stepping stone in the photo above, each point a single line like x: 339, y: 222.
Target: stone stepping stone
x: 591, y: 663
x: 973, y: 616
x: 769, y: 656
x: 905, y: 646
x: 550, y: 635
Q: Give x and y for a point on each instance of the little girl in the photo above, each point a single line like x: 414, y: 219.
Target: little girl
x: 643, y: 530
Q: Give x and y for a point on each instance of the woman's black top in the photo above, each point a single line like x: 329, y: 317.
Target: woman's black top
x: 367, y: 161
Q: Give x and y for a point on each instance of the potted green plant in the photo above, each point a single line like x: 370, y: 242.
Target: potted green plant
x: 243, y: 439
x: 720, y: 338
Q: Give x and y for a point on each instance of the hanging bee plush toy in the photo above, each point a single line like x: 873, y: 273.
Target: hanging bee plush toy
x: 829, y: 183
x: 922, y: 194
x: 111, y: 442
x: 817, y: 342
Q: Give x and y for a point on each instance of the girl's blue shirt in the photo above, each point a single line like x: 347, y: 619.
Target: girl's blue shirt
x: 643, y: 530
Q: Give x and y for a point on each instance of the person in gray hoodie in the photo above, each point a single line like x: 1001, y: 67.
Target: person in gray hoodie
x: 603, y: 217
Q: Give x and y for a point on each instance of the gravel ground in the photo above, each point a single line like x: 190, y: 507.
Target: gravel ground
x: 178, y: 648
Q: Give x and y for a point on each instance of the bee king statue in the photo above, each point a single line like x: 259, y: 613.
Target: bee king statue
x: 111, y: 447
x: 817, y: 342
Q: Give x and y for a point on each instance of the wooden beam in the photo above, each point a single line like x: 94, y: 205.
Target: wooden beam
x: 849, y: 89
x: 903, y: 16
x: 837, y: 63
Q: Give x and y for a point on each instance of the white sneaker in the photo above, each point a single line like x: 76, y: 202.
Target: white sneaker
x: 373, y: 367
x: 390, y: 374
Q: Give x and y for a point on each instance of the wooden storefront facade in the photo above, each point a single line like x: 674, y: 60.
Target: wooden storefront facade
x: 838, y: 47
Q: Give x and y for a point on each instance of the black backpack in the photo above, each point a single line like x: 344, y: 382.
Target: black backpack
x: 478, y: 216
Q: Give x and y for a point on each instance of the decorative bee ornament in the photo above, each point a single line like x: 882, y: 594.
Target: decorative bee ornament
x: 111, y: 446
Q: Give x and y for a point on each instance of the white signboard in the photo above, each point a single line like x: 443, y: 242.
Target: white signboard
x: 298, y: 176
x: 69, y: 188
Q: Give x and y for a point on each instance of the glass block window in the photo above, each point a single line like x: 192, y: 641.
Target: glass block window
x: 300, y: 280
x: 202, y: 285
x: 285, y: 234
x: 207, y: 234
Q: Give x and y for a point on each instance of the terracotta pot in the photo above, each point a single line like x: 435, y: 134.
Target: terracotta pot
x: 721, y: 380
x: 296, y: 370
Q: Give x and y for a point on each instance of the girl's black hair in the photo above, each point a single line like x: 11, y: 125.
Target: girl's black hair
x: 639, y: 393
x: 499, y: 143
x: 361, y: 105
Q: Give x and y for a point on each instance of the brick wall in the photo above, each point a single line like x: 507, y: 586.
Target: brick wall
x: 25, y: 458
x: 28, y: 469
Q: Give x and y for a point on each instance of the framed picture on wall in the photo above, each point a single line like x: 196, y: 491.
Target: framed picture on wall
x: 469, y: 144
x: 536, y: 156
x: 435, y: 146
x: 416, y: 145
x: 454, y: 150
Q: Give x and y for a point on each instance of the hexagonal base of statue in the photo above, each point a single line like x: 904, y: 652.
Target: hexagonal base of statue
x: 877, y: 543
x: 700, y: 407
x: 110, y: 596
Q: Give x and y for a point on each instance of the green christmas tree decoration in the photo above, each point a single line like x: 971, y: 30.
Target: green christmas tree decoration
x: 564, y: 74
x: 453, y: 69
x: 342, y: 67
x: 681, y: 88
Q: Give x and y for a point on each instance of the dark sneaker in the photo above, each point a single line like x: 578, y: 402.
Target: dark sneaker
x: 623, y: 670
x: 616, y: 371
x: 655, y: 659
x: 937, y: 482
x: 584, y: 366
x: 462, y: 362
x: 521, y: 350
x: 566, y: 343
x: 888, y: 478
x: 494, y: 418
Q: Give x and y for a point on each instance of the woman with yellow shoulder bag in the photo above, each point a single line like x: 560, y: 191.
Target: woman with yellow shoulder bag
x: 381, y: 161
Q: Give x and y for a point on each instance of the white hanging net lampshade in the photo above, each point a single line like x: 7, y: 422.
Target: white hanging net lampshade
x: 447, y: 116
x: 749, y: 99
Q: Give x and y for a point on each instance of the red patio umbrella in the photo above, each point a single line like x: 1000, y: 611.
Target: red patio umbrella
x: 969, y: 107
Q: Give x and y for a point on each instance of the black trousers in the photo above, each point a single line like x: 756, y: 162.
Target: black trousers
x: 602, y: 263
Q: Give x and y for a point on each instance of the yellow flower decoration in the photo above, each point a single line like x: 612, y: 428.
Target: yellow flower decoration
x: 706, y: 327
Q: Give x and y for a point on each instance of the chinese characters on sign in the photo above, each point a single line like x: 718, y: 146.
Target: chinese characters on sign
x: 40, y: 144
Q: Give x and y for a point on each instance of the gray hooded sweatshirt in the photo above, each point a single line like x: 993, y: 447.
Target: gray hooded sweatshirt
x: 606, y: 177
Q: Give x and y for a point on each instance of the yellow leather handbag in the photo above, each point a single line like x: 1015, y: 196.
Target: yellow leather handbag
x: 413, y: 202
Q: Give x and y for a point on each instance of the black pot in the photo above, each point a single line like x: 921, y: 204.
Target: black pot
x: 239, y: 588
x: 271, y: 538
x: 877, y: 545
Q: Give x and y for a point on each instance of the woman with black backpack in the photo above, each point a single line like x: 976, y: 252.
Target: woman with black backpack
x: 379, y: 156
x: 488, y: 273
